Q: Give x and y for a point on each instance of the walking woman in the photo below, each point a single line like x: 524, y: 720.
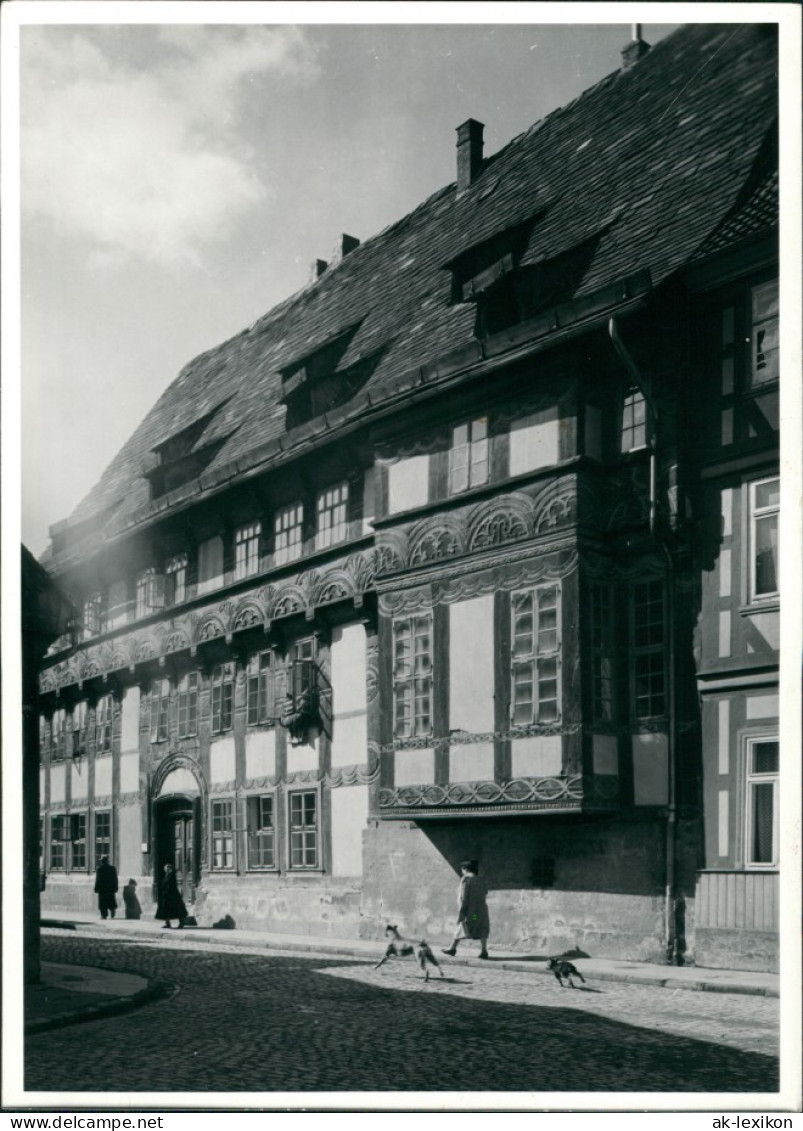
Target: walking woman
x: 472, y: 910
x: 170, y: 905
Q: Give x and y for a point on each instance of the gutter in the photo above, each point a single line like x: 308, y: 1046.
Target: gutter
x: 670, y: 895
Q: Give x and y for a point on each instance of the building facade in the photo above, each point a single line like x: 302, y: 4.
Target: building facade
x: 466, y: 550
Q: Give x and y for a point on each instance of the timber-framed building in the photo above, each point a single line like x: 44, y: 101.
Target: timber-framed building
x: 468, y: 549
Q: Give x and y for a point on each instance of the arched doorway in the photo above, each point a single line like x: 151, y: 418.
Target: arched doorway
x: 176, y: 842
x: 177, y: 825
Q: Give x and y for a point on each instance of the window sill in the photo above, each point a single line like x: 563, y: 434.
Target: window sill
x: 771, y: 605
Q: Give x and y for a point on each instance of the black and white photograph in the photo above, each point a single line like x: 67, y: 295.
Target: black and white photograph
x: 401, y: 525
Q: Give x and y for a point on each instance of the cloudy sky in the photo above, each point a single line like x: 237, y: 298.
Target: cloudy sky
x: 178, y: 180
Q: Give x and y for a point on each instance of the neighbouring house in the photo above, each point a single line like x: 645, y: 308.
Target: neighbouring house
x: 466, y: 550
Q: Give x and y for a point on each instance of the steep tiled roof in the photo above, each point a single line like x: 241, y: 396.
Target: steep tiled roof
x: 647, y: 165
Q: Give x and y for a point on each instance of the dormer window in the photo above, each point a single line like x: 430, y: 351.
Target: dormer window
x: 325, y: 378
x: 183, y: 456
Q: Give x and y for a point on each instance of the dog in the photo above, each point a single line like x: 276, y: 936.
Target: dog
x: 400, y: 947
x: 563, y: 969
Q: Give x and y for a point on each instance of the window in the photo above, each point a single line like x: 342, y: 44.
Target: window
x: 762, y: 803
x: 78, y: 841
x: 210, y: 564
x: 58, y: 748
x: 176, y: 580
x: 468, y: 455
x: 261, y: 832
x: 262, y: 692
x: 147, y: 593
x: 188, y: 705
x: 765, y: 500
x: 78, y: 732
x: 246, y: 550
x: 634, y: 421
x: 332, y: 516
x: 412, y: 676
x: 288, y: 529
x: 160, y: 704
x: 764, y: 333
x: 58, y: 836
x: 602, y: 653
x: 41, y: 845
x: 223, y: 834
x: 93, y: 607
x: 535, y: 686
x: 647, y: 635
x: 103, y: 724
x: 222, y: 697
x: 303, y: 829
x: 103, y: 835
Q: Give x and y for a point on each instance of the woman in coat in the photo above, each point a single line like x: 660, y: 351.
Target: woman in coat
x: 132, y: 905
x: 472, y: 910
x: 170, y: 905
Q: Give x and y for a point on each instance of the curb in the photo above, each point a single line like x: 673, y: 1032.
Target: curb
x: 154, y: 991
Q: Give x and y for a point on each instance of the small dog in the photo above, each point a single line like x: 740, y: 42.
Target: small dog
x: 400, y: 947
x: 563, y: 969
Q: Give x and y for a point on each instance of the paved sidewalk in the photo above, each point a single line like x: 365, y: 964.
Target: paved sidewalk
x: 69, y: 994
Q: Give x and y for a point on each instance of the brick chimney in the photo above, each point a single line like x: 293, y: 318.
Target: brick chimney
x: 344, y: 245
x: 635, y: 50
x: 469, y: 153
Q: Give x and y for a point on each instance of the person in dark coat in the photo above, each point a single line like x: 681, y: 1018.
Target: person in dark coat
x: 132, y: 906
x: 170, y: 905
x: 106, y: 887
x: 472, y: 910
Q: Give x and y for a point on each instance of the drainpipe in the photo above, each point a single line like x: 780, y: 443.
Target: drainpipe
x: 671, y: 812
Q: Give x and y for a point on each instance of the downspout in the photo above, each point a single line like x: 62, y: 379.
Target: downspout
x: 671, y: 811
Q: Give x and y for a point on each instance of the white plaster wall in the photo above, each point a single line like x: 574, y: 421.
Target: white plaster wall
x: 606, y: 754
x: 79, y: 780
x: 769, y: 625
x: 408, y: 483
x: 129, y: 773
x: 57, y: 784
x: 471, y: 665
x: 349, y: 817
x: 130, y: 726
x: 103, y: 776
x: 222, y: 763
x: 349, y: 724
x: 536, y: 756
x: 304, y: 757
x: 129, y: 841
x: 260, y: 753
x: 210, y: 564
x: 415, y: 767
x: 474, y: 762
x: 762, y: 707
x: 534, y: 441
x: 650, y: 754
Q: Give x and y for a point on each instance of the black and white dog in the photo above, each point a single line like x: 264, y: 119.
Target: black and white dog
x: 561, y: 968
x: 400, y: 947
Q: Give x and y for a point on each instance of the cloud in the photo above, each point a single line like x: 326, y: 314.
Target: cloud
x: 132, y: 138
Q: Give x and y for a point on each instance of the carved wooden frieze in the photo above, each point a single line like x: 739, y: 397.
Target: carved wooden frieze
x: 349, y: 579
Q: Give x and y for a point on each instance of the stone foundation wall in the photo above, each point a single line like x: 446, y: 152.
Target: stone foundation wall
x: 299, y: 905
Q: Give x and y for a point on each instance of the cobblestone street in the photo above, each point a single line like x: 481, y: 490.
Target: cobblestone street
x: 245, y: 1021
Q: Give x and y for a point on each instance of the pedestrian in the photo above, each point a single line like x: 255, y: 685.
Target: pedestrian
x: 106, y: 887
x: 170, y: 905
x: 472, y: 909
x: 132, y: 907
